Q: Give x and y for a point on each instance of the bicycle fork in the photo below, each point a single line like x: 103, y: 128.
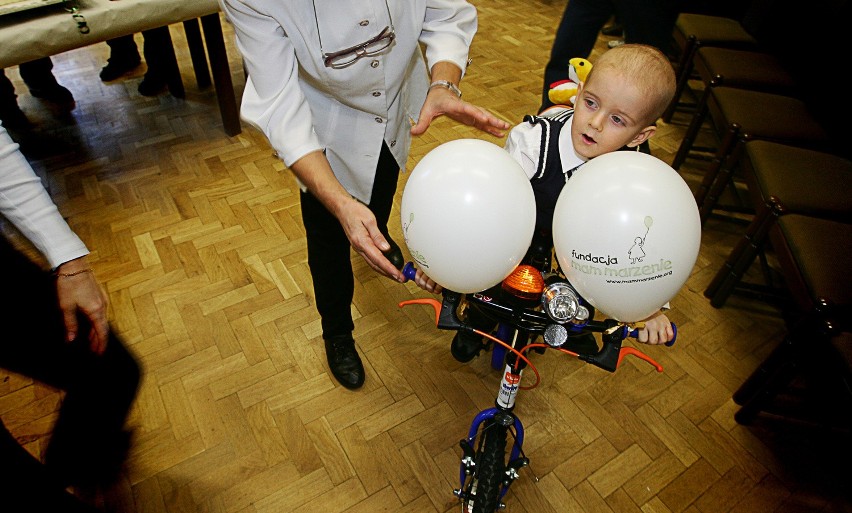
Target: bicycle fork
x: 500, y: 417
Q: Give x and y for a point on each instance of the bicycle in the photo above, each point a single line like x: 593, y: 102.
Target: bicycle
x: 528, y: 304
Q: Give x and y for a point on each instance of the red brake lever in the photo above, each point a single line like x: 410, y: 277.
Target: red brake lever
x: 425, y: 301
x: 638, y: 354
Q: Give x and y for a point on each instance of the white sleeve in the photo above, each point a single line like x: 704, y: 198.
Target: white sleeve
x: 273, y: 101
x: 25, y: 202
x: 524, y: 145
x: 448, y: 30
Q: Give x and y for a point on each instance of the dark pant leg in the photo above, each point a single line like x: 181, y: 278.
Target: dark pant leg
x: 38, y: 74
x: 384, y: 188
x: 156, y: 47
x: 88, y: 443
x: 7, y: 90
x: 28, y: 486
x: 649, y: 23
x: 329, y: 253
x: 578, y: 30
x: 123, y: 47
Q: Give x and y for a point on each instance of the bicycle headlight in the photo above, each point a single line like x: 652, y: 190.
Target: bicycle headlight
x: 562, y: 304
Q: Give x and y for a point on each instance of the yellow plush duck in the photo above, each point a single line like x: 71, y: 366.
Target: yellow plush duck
x: 563, y: 92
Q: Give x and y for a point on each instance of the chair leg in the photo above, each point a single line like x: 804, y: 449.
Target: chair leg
x: 711, y: 176
x: 741, y: 258
x: 757, y: 381
x: 692, y: 132
x: 772, y: 384
x: 683, y: 71
x: 723, y: 178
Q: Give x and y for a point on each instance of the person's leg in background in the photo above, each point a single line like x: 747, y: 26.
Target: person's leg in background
x: 650, y: 23
x: 158, y: 44
x: 38, y: 76
x: 89, y: 442
x: 331, y: 270
x: 10, y: 114
x: 576, y: 35
x: 123, y: 58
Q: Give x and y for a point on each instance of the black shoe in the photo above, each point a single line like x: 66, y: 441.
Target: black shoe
x: 151, y: 86
x: 56, y: 94
x: 465, y: 346
x: 344, y: 362
x: 116, y: 67
x: 13, y: 117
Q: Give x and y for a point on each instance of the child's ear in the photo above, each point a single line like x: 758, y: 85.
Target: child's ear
x: 642, y: 136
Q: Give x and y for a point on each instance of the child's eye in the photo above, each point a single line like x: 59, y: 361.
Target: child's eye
x: 589, y: 103
x: 618, y: 120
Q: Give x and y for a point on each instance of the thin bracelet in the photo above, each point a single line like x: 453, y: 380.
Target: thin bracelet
x: 75, y: 273
x: 446, y: 84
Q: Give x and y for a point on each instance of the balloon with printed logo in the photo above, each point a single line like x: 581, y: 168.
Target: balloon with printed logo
x: 626, y: 231
x: 468, y: 214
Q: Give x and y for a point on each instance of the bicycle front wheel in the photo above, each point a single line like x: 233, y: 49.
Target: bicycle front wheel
x: 484, y: 491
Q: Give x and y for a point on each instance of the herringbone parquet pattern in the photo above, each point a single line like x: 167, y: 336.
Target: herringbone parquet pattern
x: 197, y: 237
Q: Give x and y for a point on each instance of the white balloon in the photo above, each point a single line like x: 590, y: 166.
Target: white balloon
x: 626, y: 231
x: 468, y: 214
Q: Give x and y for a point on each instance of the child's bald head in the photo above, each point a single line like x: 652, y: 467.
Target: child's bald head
x: 646, y: 67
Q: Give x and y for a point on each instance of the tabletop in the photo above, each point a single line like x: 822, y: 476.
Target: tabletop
x: 51, y: 29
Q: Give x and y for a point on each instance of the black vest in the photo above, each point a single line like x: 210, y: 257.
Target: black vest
x: 550, y: 178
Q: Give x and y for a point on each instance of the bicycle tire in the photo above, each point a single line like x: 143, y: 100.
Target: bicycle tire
x: 490, y: 469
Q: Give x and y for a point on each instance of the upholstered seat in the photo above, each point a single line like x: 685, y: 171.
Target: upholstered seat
x: 744, y: 69
x: 740, y: 115
x: 782, y: 179
x: 693, y: 31
x: 814, y: 256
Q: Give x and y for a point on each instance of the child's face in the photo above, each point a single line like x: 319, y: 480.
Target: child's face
x: 609, y: 113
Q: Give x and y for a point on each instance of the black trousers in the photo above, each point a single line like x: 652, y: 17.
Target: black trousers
x: 649, y: 22
x: 329, y: 249
x: 36, y: 74
x: 88, y: 443
x: 155, y: 45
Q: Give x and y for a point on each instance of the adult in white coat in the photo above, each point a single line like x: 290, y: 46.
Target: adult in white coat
x: 339, y: 87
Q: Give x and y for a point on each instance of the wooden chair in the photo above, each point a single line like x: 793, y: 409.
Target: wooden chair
x: 744, y: 69
x: 781, y: 179
x: 814, y: 256
x: 738, y: 116
x: 693, y: 31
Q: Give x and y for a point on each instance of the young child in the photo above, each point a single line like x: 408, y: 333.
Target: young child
x: 616, y: 108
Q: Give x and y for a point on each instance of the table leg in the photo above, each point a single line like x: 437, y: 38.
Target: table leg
x: 196, y: 53
x: 221, y: 73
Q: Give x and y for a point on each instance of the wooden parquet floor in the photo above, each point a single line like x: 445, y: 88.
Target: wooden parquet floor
x: 198, y: 240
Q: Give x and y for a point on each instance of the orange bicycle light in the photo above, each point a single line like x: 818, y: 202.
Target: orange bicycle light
x: 525, y: 282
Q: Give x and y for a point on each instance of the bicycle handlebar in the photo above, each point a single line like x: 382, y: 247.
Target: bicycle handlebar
x: 609, y: 356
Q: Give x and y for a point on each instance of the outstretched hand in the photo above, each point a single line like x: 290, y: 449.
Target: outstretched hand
x: 79, y: 292
x: 443, y: 102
